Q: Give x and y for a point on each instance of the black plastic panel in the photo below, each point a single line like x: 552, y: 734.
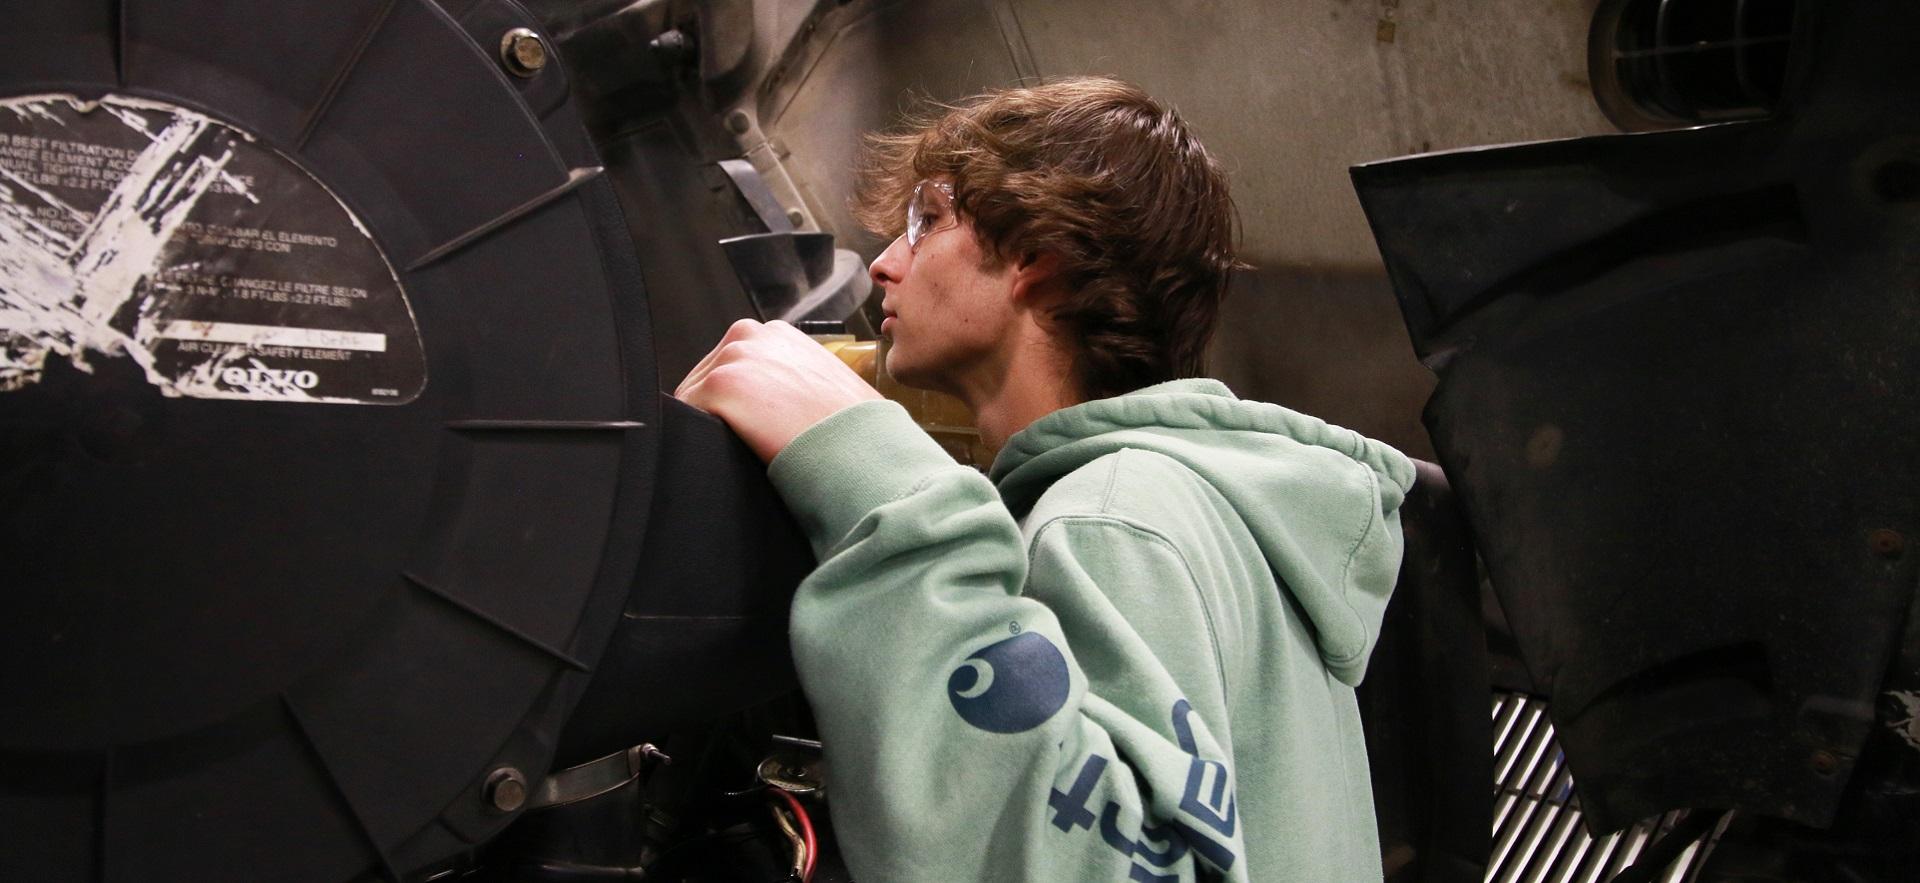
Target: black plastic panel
x: 241, y: 54
x: 421, y: 95
x: 255, y: 640
x: 1679, y: 388
x: 704, y: 633
x: 55, y: 45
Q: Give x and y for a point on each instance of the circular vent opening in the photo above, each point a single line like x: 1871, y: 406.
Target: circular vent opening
x: 1664, y: 63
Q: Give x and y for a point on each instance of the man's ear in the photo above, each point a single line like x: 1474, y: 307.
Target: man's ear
x: 1036, y: 278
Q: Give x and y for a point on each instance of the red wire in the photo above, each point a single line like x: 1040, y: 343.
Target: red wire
x: 806, y: 831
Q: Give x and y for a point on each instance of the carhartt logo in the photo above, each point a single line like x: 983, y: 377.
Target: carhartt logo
x: 1012, y: 686
x: 270, y: 379
x: 1208, y: 800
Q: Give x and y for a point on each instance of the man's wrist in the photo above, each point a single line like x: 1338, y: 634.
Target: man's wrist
x: 842, y: 468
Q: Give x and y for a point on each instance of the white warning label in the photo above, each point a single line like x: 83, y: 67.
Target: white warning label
x: 136, y: 229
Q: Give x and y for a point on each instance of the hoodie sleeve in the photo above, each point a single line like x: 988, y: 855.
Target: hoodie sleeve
x: 964, y: 738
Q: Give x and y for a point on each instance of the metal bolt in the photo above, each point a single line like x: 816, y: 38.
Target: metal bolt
x: 738, y: 122
x: 1887, y: 543
x: 798, y: 217
x: 522, y: 52
x: 506, y: 789
x: 1824, y: 762
x: 671, y: 45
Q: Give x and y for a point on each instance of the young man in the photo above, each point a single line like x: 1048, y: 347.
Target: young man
x: 1130, y: 654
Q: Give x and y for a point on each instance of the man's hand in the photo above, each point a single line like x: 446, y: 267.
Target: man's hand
x: 770, y: 383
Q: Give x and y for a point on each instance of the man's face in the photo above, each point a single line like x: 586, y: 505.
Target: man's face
x: 948, y: 315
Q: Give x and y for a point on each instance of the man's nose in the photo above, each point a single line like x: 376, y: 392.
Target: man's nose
x: 891, y: 266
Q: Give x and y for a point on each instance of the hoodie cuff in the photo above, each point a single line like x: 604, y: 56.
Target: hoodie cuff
x: 859, y: 459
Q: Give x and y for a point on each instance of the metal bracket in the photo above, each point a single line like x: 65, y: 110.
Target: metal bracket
x: 596, y: 777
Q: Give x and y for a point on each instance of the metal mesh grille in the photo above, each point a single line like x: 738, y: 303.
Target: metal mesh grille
x: 1537, y: 835
x: 1658, y: 63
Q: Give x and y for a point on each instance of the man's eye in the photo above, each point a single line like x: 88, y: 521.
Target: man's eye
x: 928, y: 219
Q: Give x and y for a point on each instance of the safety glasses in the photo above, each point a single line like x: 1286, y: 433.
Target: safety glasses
x: 929, y: 211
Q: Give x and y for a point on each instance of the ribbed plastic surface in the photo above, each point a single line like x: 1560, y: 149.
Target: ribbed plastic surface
x: 257, y: 637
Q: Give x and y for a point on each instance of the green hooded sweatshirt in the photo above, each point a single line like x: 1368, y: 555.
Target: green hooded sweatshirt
x: 1135, y: 661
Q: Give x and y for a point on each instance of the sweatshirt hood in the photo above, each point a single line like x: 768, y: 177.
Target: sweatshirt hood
x: 1321, y: 501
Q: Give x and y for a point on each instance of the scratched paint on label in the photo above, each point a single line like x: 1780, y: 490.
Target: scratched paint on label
x: 137, y: 229
x: 1906, y: 724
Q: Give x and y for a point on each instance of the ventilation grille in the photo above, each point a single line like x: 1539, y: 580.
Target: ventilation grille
x: 1537, y: 834
x: 1665, y: 62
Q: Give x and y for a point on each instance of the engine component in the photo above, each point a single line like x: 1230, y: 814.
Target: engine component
x: 1675, y: 369
x: 329, y: 434
x: 792, y: 275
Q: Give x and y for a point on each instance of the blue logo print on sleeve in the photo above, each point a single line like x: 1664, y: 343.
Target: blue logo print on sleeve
x: 1012, y: 686
x: 1208, y: 798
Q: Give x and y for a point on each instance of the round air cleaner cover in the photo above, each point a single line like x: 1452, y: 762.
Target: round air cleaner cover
x: 325, y: 386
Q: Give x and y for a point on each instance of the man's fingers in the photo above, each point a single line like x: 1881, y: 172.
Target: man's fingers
x: 705, y: 364
x: 770, y: 382
x: 699, y: 373
x: 740, y: 330
x: 715, y: 389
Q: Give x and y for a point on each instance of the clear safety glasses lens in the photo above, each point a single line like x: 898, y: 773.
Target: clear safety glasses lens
x: 929, y: 209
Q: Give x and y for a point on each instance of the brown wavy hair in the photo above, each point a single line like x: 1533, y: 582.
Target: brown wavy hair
x: 1099, y: 174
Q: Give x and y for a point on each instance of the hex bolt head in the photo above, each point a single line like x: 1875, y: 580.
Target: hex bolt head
x: 506, y: 789
x: 522, y: 52
x: 672, y: 45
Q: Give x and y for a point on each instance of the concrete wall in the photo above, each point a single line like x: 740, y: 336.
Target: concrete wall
x: 1288, y: 92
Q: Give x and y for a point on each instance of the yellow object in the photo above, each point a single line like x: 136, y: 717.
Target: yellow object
x: 944, y: 417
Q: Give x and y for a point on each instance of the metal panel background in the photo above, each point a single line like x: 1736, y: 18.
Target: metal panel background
x: 1288, y: 93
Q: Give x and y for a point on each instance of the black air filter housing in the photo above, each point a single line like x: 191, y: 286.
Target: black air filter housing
x: 326, y: 438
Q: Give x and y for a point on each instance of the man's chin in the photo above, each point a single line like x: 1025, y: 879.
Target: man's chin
x: 897, y: 368
x: 904, y: 373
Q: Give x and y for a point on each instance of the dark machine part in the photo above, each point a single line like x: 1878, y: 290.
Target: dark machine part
x: 705, y: 817
x: 1657, y: 65
x: 1678, y: 380
x: 792, y: 275
x: 704, y: 631
x: 666, y: 89
x: 333, y: 460
x: 1423, y: 703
